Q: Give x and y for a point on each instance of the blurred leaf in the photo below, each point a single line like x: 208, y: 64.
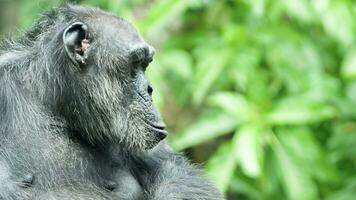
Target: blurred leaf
x: 209, y: 69
x: 296, y: 62
x: 243, y: 67
x: 342, y: 143
x: 258, y: 6
x: 248, y: 149
x: 304, y: 149
x: 346, y: 193
x: 348, y: 68
x: 178, y: 62
x: 241, y: 185
x: 177, y: 70
x: 234, y: 104
x: 164, y: 13
x: 272, y: 175
x: 331, y: 14
x: 204, y: 129
x: 221, y: 166
x: 300, y: 9
x: 298, y: 110
x: 297, y: 183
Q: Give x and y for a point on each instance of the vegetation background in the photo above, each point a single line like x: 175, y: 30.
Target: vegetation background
x: 261, y: 92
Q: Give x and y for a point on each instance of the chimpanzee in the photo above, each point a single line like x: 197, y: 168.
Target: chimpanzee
x: 77, y: 119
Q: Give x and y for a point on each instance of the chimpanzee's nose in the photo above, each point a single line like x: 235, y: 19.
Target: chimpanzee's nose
x: 142, y: 55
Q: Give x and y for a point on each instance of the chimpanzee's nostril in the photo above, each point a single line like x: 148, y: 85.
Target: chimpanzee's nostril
x: 149, y: 90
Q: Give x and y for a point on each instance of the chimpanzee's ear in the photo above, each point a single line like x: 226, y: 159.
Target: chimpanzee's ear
x: 76, y: 43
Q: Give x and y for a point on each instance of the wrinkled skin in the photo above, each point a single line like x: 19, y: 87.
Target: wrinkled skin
x: 77, y: 119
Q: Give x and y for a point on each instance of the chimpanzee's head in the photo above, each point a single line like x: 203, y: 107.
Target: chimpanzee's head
x: 105, y: 96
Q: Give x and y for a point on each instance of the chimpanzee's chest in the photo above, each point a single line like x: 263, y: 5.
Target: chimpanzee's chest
x: 43, y: 164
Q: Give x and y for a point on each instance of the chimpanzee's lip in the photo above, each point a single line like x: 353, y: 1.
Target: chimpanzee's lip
x: 159, y: 127
x: 161, y: 134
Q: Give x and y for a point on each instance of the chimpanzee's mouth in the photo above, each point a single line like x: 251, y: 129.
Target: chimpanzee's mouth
x: 159, y: 128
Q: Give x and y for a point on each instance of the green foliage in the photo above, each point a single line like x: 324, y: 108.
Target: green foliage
x: 263, y: 90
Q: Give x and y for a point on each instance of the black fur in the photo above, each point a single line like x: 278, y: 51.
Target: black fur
x: 77, y: 119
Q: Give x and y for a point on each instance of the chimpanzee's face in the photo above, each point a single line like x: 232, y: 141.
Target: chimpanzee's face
x: 108, y: 97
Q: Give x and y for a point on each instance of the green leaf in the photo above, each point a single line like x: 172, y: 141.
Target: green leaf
x: 297, y: 183
x: 221, y: 166
x: 204, y: 129
x: 248, y: 149
x: 341, y: 145
x: 295, y: 61
x: 331, y: 14
x: 300, y: 9
x: 163, y: 14
x: 298, y: 110
x: 244, y: 65
x: 306, y: 151
x: 348, y: 68
x: 241, y: 185
x: 209, y: 69
x: 177, y: 62
x: 177, y: 72
x: 347, y: 192
x: 258, y: 7
x: 232, y: 103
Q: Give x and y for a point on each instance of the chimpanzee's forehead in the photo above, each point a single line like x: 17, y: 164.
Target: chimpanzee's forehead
x: 114, y: 28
